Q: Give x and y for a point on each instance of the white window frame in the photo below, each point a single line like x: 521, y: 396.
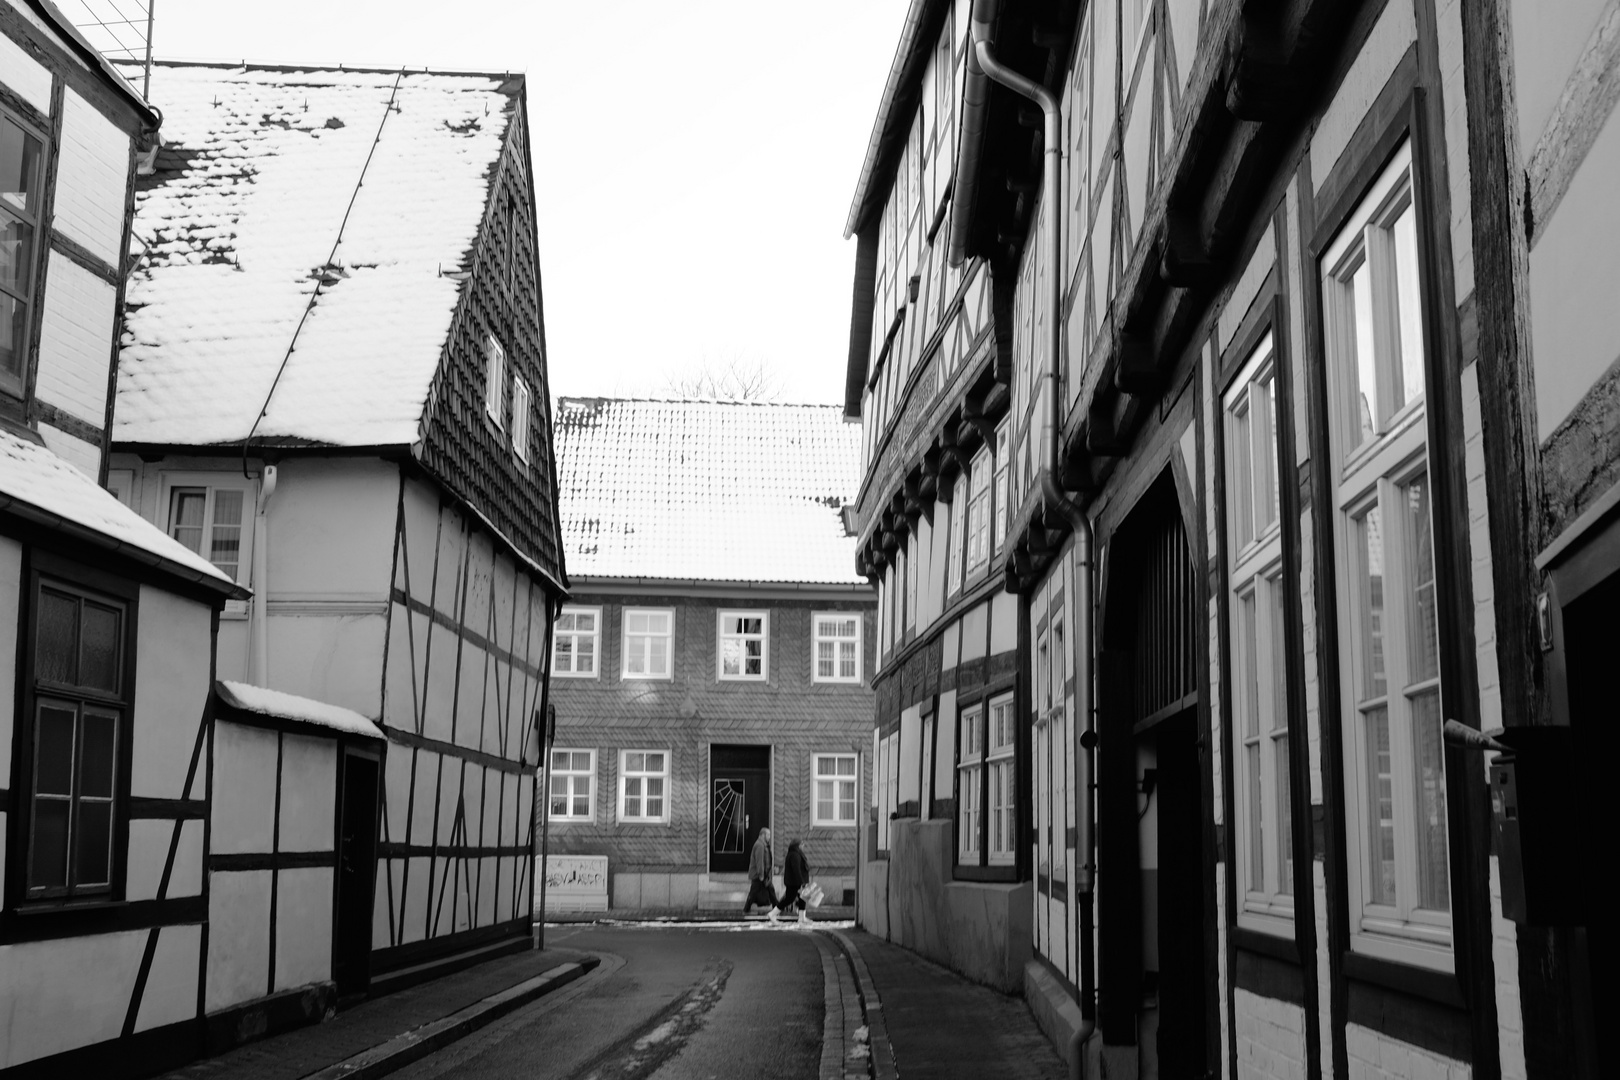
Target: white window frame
x: 595, y: 637
x: 969, y: 785
x: 522, y: 406
x: 1375, y: 468
x: 978, y: 512
x: 495, y: 381
x: 645, y: 775
x: 722, y: 636
x: 214, y: 482
x: 1001, y: 762
x: 1257, y: 671
x: 626, y: 651
x: 956, y: 537
x: 825, y: 805
x: 573, y: 774
x: 1000, y: 487
x: 820, y: 635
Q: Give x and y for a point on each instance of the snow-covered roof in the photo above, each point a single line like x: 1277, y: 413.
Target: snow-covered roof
x: 706, y: 490
x: 263, y: 701
x: 252, y: 188
x: 37, y: 484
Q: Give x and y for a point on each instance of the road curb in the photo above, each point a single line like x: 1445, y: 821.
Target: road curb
x: 419, y: 1042
x: 883, y: 1065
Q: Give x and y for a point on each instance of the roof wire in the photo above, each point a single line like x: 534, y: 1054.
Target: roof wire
x: 316, y: 292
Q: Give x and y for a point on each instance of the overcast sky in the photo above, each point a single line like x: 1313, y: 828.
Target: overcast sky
x: 694, y: 161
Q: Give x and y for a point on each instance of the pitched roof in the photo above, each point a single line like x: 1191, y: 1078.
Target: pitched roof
x: 706, y: 490
x: 38, y: 486
x: 252, y: 188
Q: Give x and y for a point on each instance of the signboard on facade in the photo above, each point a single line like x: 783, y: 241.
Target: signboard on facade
x: 576, y: 883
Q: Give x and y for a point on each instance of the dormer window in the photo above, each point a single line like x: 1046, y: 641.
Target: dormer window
x: 20, y: 154
x: 494, y: 380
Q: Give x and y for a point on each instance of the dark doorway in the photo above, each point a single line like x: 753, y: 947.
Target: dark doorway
x: 356, y: 873
x: 739, y: 803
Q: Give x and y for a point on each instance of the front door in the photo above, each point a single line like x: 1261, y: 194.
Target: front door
x: 357, y: 867
x: 739, y: 804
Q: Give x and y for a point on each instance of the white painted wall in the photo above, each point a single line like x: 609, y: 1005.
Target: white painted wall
x: 1395, y: 30
x: 244, y: 820
x: 171, y: 692
x: 148, y: 852
x: 238, y: 937
x: 303, y: 926
x: 86, y: 457
x: 75, y: 341
x: 1270, y: 1038
x: 92, y: 174
x: 308, y: 794
x: 25, y: 76
x: 67, y: 993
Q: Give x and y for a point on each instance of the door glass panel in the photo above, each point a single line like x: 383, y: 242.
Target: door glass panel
x: 55, y: 649
x: 98, y: 648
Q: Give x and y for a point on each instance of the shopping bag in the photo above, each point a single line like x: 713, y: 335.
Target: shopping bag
x: 812, y: 894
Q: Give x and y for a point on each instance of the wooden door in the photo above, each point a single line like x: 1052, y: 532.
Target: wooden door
x: 356, y: 873
x: 739, y: 804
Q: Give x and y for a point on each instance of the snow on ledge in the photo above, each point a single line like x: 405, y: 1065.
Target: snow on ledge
x: 267, y: 702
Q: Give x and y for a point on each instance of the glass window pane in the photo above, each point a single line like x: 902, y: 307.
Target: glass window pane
x: 16, y: 253
x: 13, y: 327
x: 1279, y: 655
x: 1365, y: 421
x: 559, y: 759
x: 186, y: 506
x: 655, y: 763
x: 1380, y: 809
x: 565, y: 653
x: 565, y: 621
x: 1409, y: 305
x: 846, y: 767
x: 559, y: 799
x: 1434, y: 891
x: 98, y: 751
x: 1285, y: 832
x: 1265, y: 454
x: 1249, y: 646
x: 19, y: 168
x: 225, y: 539
x: 585, y: 654
x: 53, y: 750
x: 586, y: 621
x: 56, y: 640
x: 1242, y: 479
x: 582, y: 805
x: 1256, y: 860
x: 1370, y: 526
x: 99, y: 646
x: 47, y: 869
x: 1424, y: 633
x: 659, y: 663
x: 635, y: 763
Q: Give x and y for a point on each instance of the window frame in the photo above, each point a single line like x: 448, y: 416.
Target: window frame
x: 721, y: 637
x: 956, y: 535
x: 1000, y: 487
x: 19, y: 384
x: 212, y: 482
x: 977, y: 528
x: 624, y: 644
x: 595, y: 636
x: 626, y: 774
x: 1255, y: 587
x: 41, y: 569
x: 817, y: 818
x: 817, y: 620
x: 495, y: 368
x: 1377, y: 470
x: 976, y: 760
x: 552, y: 772
x: 522, y: 407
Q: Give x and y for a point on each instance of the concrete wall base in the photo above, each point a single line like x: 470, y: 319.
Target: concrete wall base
x: 690, y: 891
x: 1058, y: 1016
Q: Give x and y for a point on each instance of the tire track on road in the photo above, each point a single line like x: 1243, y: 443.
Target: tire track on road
x: 639, y: 1054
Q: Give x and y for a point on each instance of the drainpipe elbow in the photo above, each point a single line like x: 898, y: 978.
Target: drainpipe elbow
x: 1077, y: 1049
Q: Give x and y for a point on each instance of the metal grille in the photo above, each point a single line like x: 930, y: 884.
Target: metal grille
x: 118, y: 29
x: 1165, y: 657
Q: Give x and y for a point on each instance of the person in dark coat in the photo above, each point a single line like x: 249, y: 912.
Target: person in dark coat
x: 760, y: 864
x: 795, y: 876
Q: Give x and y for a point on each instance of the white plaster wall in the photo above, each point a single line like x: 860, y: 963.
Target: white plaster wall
x: 238, y: 937
x: 1448, y: 33
x: 334, y: 657
x: 92, y: 173
x: 171, y: 690
x: 1575, y: 323
x: 1509, y: 1007
x: 25, y: 76
x: 244, y: 817
x: 66, y: 993
x: 1003, y: 623
x: 1248, y: 285
x: 86, y: 457
x: 1270, y: 1038
x: 973, y: 630
x: 303, y: 926
x: 1547, y: 41
x: 308, y: 793
x: 1374, y: 1057
x: 332, y: 530
x: 910, y: 764
x: 148, y: 852
x: 1395, y: 30
x: 75, y: 341
x: 171, y: 983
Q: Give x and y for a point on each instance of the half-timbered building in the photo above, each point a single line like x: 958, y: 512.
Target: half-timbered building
x: 711, y: 671
x: 1231, y: 401
x: 332, y: 386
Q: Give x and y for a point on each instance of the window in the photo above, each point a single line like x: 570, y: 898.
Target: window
x: 573, y: 649
x: 838, y: 647
x: 1382, y: 538
x: 978, y: 512
x: 1001, y: 493
x: 21, y: 152
x: 647, y: 641
x: 911, y: 586
x: 743, y: 644
x: 573, y: 774
x: 643, y: 784
x: 520, y: 419
x: 1259, y: 653
x: 494, y: 380
x: 953, y: 562
x: 834, y: 800
x: 886, y: 792
x: 969, y: 785
x: 1003, y: 783
x: 212, y: 514
x: 78, y: 704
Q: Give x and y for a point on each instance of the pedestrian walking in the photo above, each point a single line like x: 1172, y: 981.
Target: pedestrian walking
x: 795, y: 876
x: 760, y: 863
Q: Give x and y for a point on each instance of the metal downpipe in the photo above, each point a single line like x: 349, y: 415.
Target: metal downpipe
x: 1057, y: 500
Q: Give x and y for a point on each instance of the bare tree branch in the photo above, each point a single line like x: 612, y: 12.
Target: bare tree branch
x: 727, y: 380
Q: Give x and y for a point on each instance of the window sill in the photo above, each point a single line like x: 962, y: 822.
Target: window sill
x: 625, y: 676
x: 742, y: 678
x: 1267, y: 943
x: 1439, y: 987
x: 574, y: 675
x: 1003, y: 874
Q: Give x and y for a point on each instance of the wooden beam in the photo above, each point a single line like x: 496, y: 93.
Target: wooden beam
x: 1588, y: 98
x: 1184, y: 258
x: 1104, y: 438
x: 1136, y: 368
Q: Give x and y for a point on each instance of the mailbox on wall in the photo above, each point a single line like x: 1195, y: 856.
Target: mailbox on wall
x: 1533, y: 810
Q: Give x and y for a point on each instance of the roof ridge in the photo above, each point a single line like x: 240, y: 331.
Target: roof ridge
x: 244, y: 64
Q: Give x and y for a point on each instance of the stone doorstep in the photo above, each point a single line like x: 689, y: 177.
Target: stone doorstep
x: 417, y: 1043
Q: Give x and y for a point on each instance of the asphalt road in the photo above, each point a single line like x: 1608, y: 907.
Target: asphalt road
x: 685, y: 1002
